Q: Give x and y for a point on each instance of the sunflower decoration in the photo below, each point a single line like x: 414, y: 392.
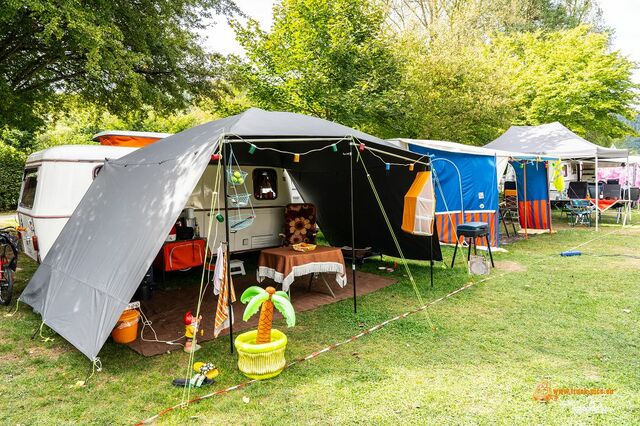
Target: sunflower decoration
x: 299, y: 224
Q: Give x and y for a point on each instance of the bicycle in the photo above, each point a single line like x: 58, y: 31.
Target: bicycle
x: 8, y: 263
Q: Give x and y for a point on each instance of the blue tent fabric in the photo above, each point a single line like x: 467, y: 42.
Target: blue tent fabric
x: 466, y: 190
x: 534, y: 205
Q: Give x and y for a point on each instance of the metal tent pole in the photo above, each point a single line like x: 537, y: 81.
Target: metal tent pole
x: 353, y: 231
x: 597, y: 194
x: 225, y: 155
x: 526, y: 210
x: 430, y: 238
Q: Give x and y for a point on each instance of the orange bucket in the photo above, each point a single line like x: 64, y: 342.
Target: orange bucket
x: 126, y: 330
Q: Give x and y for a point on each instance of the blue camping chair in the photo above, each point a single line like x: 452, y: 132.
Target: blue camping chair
x: 579, y: 212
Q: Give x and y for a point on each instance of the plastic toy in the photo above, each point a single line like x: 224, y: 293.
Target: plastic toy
x: 206, y: 372
x: 191, y: 329
x: 261, y: 352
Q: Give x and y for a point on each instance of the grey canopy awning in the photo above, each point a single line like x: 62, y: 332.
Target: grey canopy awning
x: 552, y: 140
x: 94, y: 267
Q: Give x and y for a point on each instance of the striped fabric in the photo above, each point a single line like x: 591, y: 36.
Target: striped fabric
x: 537, y: 214
x: 447, y: 222
x: 221, y: 288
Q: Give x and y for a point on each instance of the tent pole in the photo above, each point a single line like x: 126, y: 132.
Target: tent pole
x: 549, y: 197
x: 430, y: 238
x: 526, y: 211
x: 597, y: 194
x: 225, y: 155
x: 353, y: 231
x: 628, y: 191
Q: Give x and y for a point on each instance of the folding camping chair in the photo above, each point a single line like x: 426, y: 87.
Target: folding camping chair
x: 579, y: 212
x: 511, y: 211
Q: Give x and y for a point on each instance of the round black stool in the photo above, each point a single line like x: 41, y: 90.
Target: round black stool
x: 470, y: 231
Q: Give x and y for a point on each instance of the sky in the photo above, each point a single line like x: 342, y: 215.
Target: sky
x: 621, y: 15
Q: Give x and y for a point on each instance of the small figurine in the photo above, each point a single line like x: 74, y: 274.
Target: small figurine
x: 205, y: 373
x: 191, y: 329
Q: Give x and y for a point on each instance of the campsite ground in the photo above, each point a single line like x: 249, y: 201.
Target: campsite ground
x: 475, y: 357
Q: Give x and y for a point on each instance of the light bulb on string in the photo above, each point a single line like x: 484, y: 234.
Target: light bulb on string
x: 252, y: 148
x: 296, y: 158
x: 334, y: 147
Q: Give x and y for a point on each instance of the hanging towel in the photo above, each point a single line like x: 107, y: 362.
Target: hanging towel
x: 221, y: 289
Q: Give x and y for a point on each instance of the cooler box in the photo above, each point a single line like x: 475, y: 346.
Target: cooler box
x: 179, y: 255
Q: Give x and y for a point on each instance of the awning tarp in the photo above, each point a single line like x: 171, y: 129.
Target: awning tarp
x: 552, y: 140
x: 100, y: 257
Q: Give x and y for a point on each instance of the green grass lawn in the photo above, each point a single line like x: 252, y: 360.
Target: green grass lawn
x: 474, y: 358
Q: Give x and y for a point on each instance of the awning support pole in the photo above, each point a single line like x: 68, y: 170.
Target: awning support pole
x: 526, y: 210
x: 225, y: 156
x: 430, y: 239
x: 597, y: 195
x: 353, y: 230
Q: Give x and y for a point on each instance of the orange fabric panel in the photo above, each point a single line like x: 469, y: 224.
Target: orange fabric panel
x: 126, y: 141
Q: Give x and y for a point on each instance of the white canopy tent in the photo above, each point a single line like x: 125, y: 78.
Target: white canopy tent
x: 555, y: 140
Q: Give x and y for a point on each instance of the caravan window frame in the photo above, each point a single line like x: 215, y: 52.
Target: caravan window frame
x: 257, y: 190
x: 30, y: 196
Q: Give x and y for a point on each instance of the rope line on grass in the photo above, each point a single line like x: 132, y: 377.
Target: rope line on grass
x: 352, y: 338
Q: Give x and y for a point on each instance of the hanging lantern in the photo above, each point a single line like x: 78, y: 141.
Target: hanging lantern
x: 296, y: 158
x: 334, y: 147
x: 220, y: 218
x: 361, y: 147
x: 387, y: 166
x: 216, y: 157
x: 411, y: 167
x: 252, y: 148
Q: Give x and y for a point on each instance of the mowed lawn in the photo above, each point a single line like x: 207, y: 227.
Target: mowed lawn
x: 474, y: 358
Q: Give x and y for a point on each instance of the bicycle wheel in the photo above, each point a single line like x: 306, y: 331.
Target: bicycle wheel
x: 6, y: 285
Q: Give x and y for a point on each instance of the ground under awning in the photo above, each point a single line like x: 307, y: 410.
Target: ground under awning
x: 167, y: 307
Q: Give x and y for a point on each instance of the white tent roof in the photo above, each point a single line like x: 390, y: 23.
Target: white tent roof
x: 553, y: 140
x: 457, y: 147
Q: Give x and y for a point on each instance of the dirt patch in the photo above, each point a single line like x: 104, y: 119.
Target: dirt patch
x: 507, y: 265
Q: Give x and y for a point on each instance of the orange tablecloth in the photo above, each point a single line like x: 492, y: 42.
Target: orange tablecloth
x: 604, y: 205
x: 283, y: 264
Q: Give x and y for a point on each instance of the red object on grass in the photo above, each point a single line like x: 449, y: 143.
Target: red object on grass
x: 604, y: 205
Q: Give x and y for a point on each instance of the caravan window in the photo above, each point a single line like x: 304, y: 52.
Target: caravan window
x: 29, y: 184
x: 265, y: 184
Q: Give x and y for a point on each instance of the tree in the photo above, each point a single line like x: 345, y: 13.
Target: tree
x: 265, y: 300
x: 328, y: 58
x: 571, y: 76
x: 117, y: 53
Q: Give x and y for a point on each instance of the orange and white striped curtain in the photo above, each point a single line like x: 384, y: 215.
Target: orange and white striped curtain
x: 220, y: 288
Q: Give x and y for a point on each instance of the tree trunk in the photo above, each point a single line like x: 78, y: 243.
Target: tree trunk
x: 264, y: 324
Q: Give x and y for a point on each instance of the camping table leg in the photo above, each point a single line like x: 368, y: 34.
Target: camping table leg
x: 504, y: 222
x: 470, y: 243
x: 455, y: 250
x: 489, y: 249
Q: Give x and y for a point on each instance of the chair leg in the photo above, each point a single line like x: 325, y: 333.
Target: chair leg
x: 486, y: 237
x: 455, y: 250
x: 470, y: 242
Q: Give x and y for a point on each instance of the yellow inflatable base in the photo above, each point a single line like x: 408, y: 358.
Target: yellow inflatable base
x: 262, y: 361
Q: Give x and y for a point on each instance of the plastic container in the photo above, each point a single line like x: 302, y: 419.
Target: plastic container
x: 240, y: 221
x: 240, y: 200
x: 236, y: 177
x: 126, y: 330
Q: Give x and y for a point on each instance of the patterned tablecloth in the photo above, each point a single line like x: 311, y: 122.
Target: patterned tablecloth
x: 284, y: 264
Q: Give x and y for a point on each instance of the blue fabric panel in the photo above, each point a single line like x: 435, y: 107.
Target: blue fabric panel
x: 475, y: 174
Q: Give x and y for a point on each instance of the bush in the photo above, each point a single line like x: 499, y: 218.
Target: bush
x: 11, y: 167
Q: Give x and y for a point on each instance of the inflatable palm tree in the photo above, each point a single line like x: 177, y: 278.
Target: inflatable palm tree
x: 265, y: 300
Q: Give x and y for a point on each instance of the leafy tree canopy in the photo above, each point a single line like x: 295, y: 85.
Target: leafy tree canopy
x: 328, y: 58
x: 571, y: 76
x: 117, y: 53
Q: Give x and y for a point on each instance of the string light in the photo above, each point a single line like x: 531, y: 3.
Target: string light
x: 334, y: 147
x: 216, y: 157
x: 252, y: 148
x: 411, y: 167
x: 361, y: 147
x: 296, y: 158
x: 387, y: 166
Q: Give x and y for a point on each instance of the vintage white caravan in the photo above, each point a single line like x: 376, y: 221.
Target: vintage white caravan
x: 55, y: 180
